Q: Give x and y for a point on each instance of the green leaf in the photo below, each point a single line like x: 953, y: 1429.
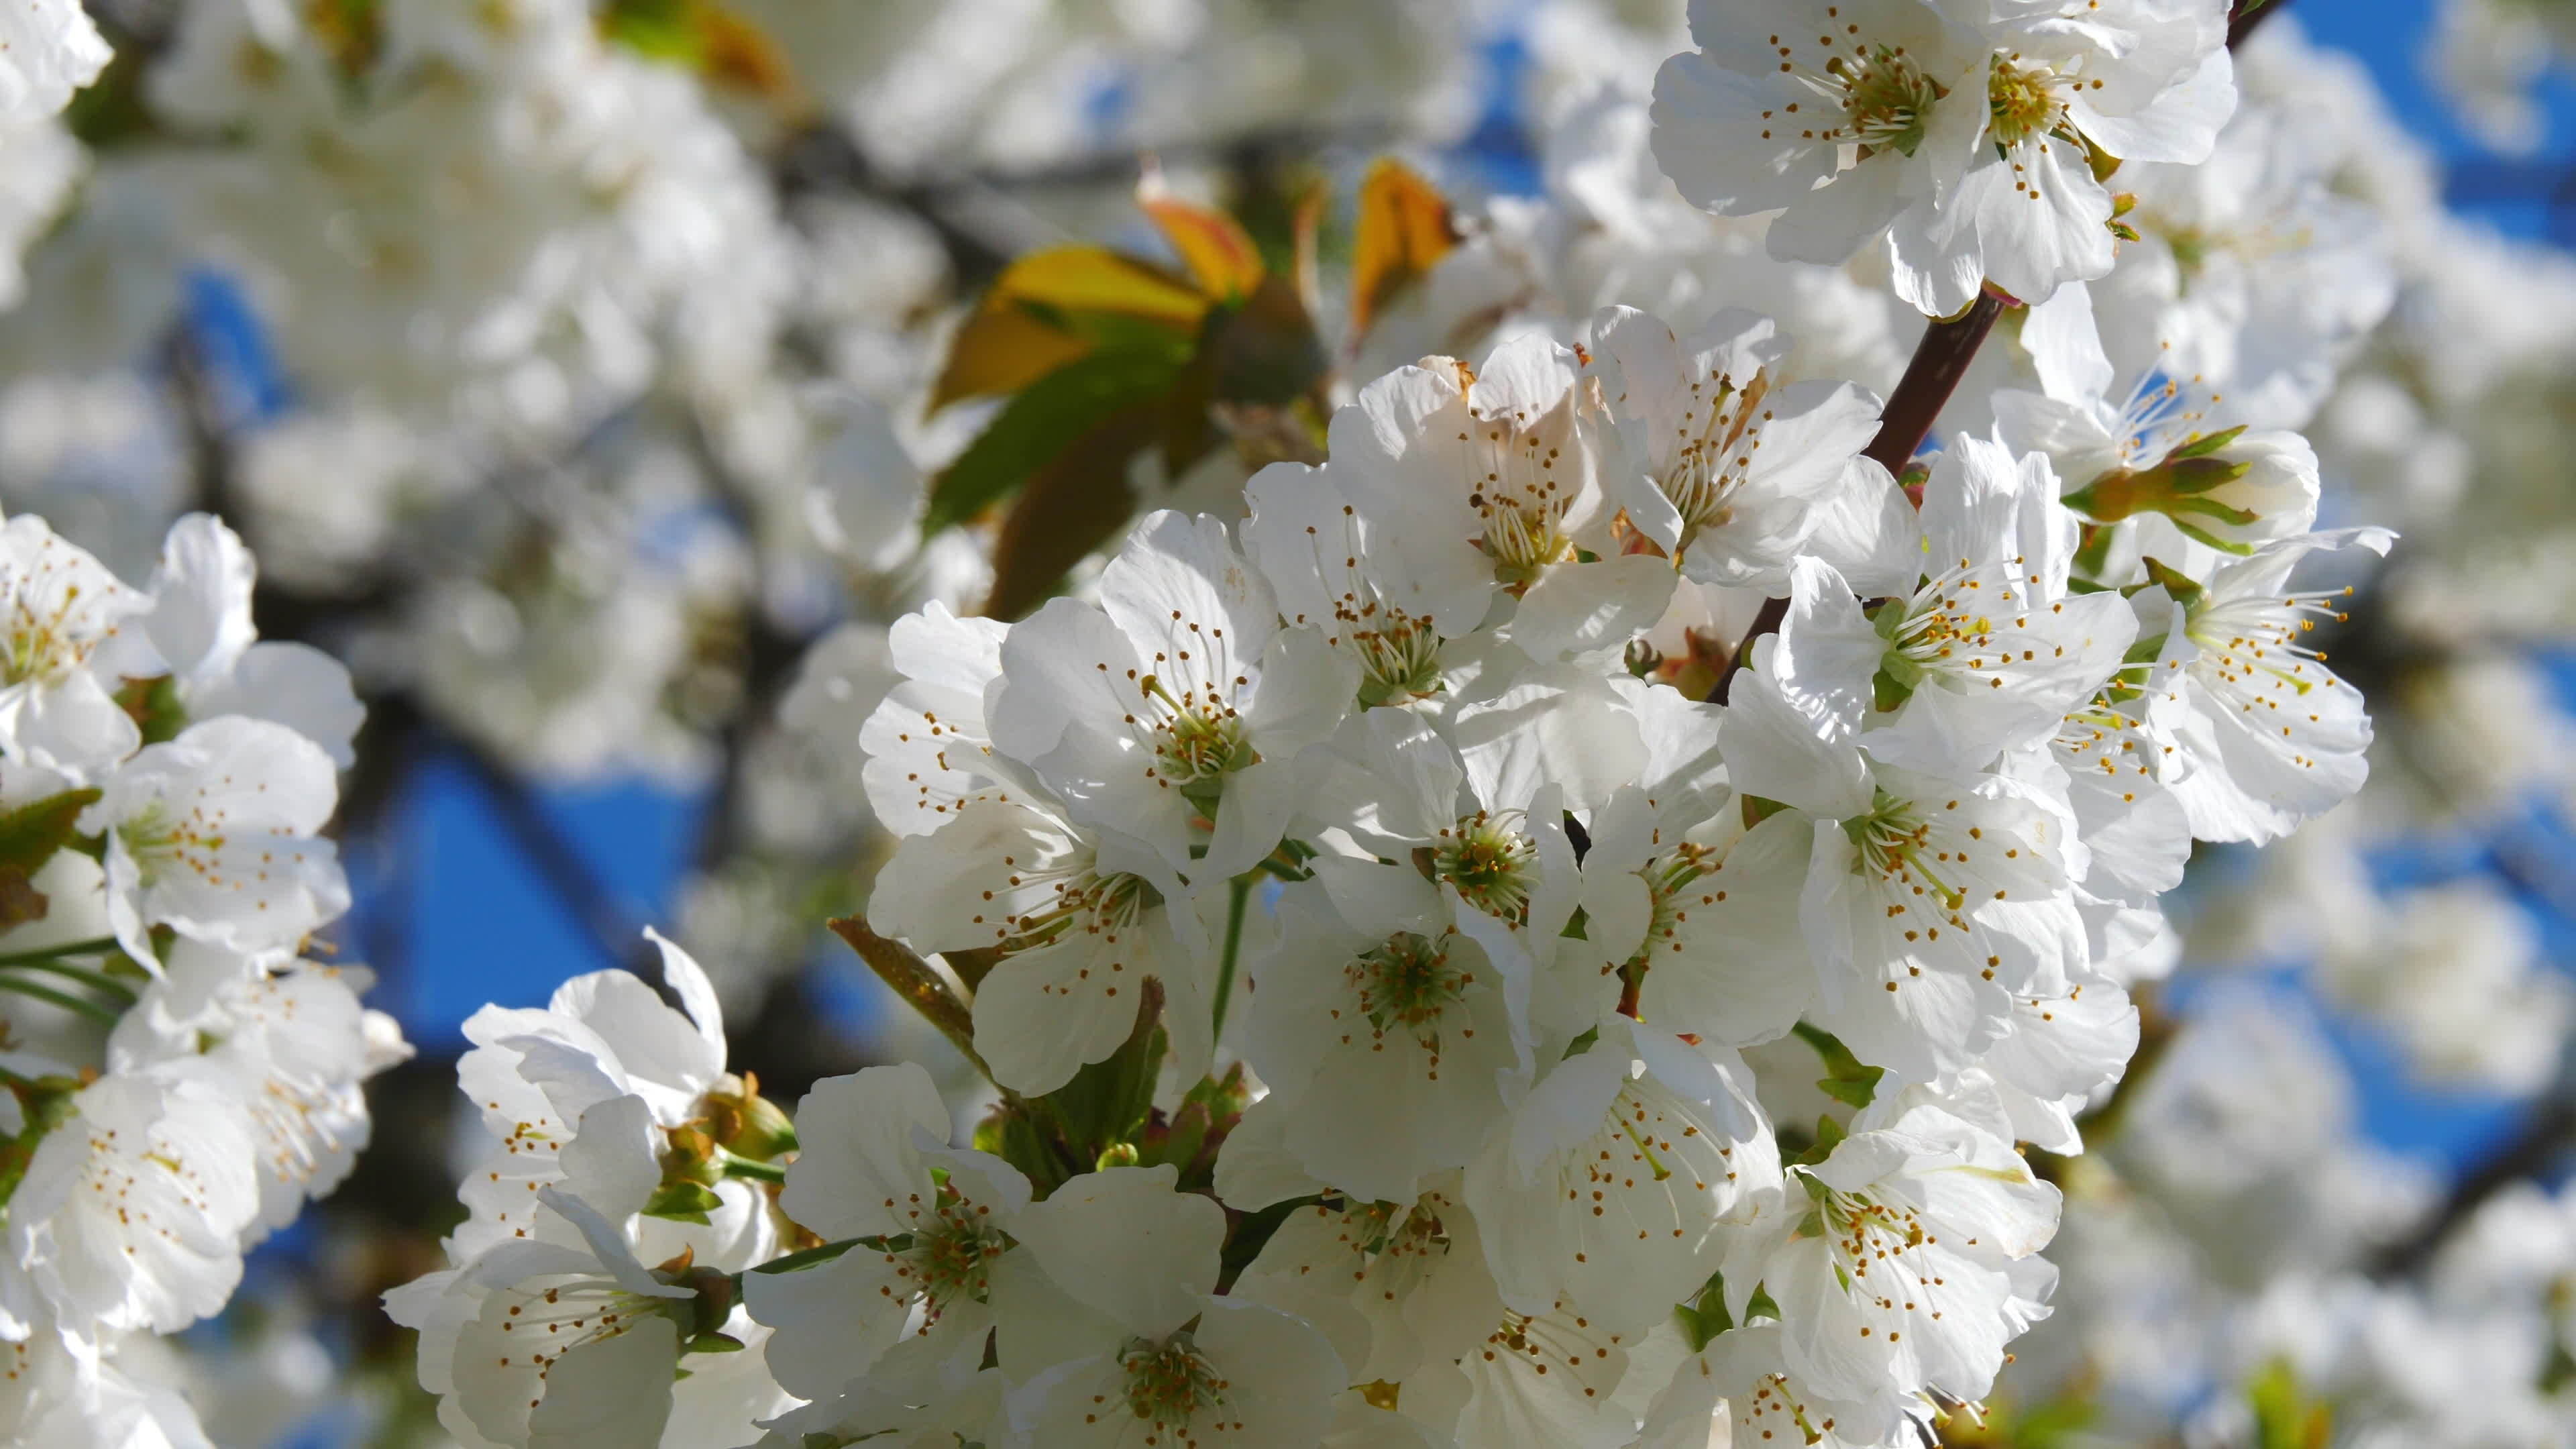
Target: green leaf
x: 1847, y: 1079
x: 30, y: 834
x: 1042, y: 421
x: 1013, y: 1134
x: 656, y: 29
x: 1108, y: 1101
x: 1251, y: 1233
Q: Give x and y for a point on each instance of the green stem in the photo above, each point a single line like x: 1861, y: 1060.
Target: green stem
x: 95, y: 946
x: 63, y: 999
x: 96, y: 980
x: 1238, y: 897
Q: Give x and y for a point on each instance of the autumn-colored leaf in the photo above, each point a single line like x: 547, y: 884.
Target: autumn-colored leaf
x: 1218, y: 251
x: 739, y: 54
x: 1053, y: 306
x: 1404, y: 229
x: 706, y: 36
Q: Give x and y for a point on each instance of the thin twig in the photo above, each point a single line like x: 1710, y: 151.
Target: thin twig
x: 913, y: 979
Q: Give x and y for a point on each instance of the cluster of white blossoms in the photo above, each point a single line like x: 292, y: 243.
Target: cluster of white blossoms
x: 1418, y: 1016
x: 180, y: 1080
x: 1364, y: 935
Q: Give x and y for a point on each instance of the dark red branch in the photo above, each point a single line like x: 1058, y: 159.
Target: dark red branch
x: 1940, y: 360
x: 2241, y: 23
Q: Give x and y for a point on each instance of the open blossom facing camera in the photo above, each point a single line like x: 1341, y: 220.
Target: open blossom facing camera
x: 1974, y: 135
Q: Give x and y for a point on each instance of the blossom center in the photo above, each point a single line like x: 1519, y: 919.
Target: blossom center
x: 2022, y: 101
x: 1195, y: 746
x: 1895, y: 841
x: 1097, y: 905
x: 950, y: 1256
x: 1492, y: 865
x: 1170, y: 1383
x: 1399, y: 657
x: 1887, y: 99
x: 1713, y: 464
x: 1521, y: 499
x: 1407, y: 985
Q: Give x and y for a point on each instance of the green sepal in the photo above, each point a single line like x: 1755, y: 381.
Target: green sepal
x: 2206, y: 444
x: 154, y: 705
x: 1703, y: 1316
x: 1847, y: 1079
x: 682, y: 1202
x: 1829, y: 1135
x: 2185, y: 590
x: 1757, y: 809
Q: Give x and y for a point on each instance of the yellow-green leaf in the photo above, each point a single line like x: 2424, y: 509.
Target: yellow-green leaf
x: 1051, y: 307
